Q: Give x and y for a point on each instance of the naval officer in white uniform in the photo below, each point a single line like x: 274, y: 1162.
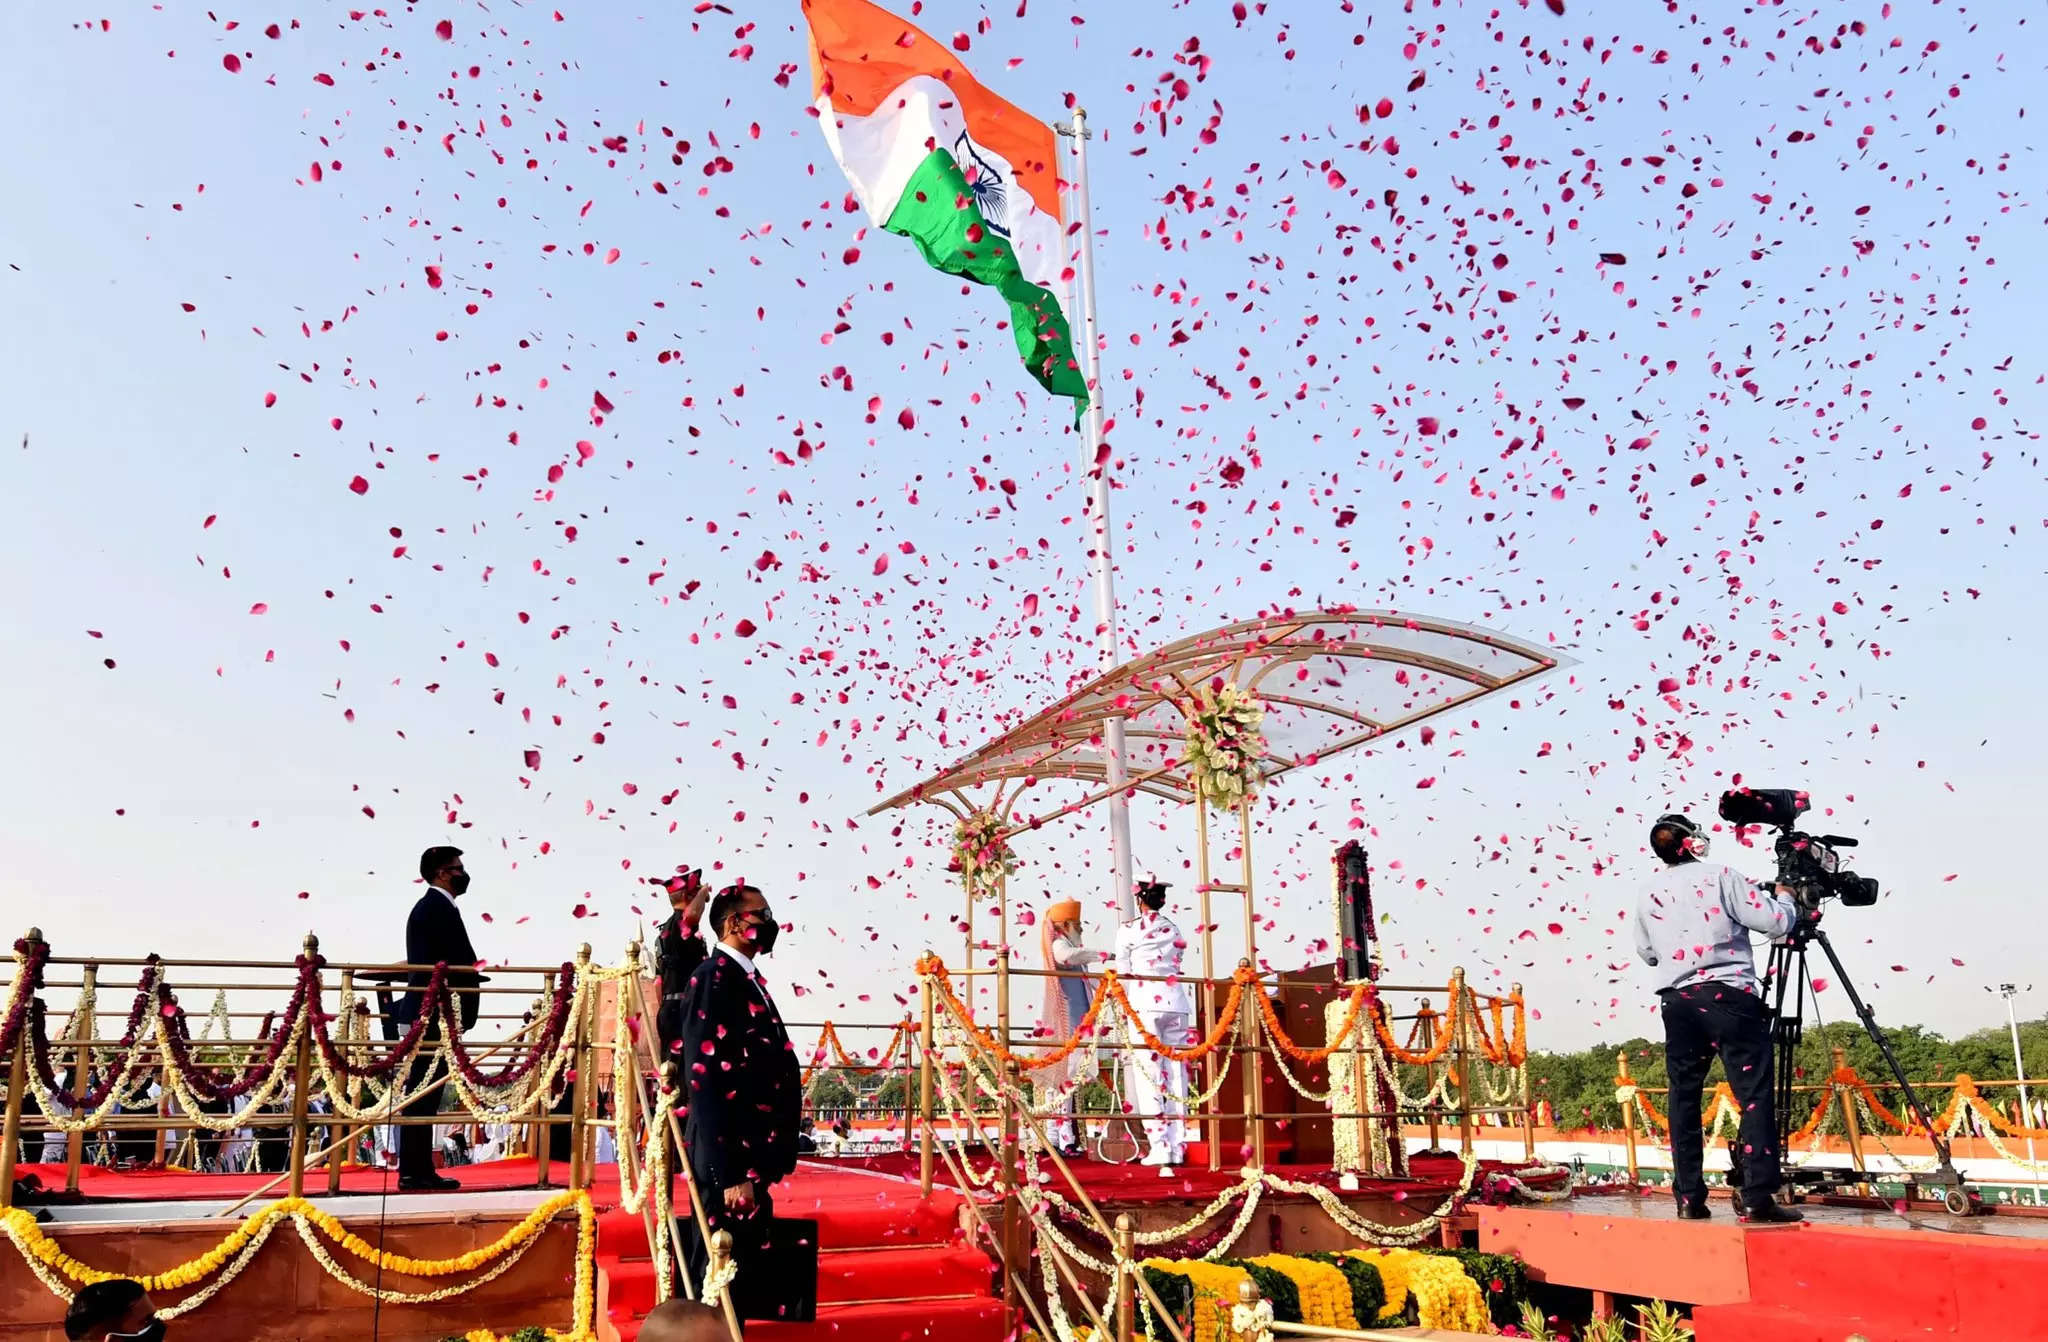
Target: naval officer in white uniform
x: 1151, y: 946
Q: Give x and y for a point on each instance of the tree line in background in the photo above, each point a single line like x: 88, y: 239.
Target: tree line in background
x: 1580, y: 1085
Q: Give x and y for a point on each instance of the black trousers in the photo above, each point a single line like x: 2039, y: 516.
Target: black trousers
x: 1700, y: 1021
x: 749, y: 1234
x: 416, y: 1140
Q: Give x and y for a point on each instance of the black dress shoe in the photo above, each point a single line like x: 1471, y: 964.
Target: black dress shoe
x: 1770, y: 1213
x: 1693, y: 1211
x: 426, y: 1183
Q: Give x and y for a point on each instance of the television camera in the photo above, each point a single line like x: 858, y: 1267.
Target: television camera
x: 1810, y: 866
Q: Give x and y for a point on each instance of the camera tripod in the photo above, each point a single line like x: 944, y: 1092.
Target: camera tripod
x: 1789, y: 977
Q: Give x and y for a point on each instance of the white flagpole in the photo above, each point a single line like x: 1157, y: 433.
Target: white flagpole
x: 1095, y: 464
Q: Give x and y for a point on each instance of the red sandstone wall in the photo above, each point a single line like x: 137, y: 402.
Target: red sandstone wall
x: 285, y: 1296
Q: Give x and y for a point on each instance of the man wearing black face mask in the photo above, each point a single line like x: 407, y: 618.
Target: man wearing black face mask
x: 113, y: 1311
x: 434, y: 934
x: 742, y: 1088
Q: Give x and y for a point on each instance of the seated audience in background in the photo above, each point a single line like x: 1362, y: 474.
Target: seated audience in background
x: 113, y: 1311
x: 684, y: 1321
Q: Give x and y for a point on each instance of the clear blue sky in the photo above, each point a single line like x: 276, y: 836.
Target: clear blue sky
x: 1781, y: 453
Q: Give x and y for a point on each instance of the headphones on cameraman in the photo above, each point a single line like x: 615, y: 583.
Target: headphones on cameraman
x: 1695, y: 842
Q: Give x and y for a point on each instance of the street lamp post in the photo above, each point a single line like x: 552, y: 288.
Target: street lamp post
x: 2019, y: 1066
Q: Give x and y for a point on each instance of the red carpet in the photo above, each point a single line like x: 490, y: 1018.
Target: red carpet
x: 892, y: 1266
x: 100, y: 1184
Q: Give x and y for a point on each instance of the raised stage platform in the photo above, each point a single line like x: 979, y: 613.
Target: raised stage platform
x: 1846, y: 1271
x: 894, y: 1266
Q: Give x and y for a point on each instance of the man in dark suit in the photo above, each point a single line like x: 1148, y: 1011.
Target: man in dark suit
x: 741, y: 1082
x: 678, y: 949
x: 434, y: 935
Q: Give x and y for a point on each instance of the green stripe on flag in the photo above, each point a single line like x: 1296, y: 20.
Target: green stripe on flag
x: 937, y: 211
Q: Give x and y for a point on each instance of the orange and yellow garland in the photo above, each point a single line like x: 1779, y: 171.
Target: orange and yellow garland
x: 1963, y: 1093
x: 1359, y: 997
x: 828, y: 1038
x: 1110, y: 989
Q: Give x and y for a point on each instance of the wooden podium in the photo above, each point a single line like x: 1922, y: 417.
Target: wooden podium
x: 1300, y: 1141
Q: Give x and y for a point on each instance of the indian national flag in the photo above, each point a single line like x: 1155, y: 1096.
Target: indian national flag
x: 934, y: 156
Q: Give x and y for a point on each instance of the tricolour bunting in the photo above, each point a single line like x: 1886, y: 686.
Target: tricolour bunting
x: 934, y: 156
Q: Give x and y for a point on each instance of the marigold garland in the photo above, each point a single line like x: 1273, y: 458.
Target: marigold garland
x: 217, y: 1266
x: 1109, y: 989
x: 1440, y: 1285
x: 1324, y: 1291
x: 1435, y: 1050
x: 1310, y: 1056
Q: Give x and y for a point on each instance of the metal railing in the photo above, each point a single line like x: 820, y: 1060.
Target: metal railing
x: 153, y: 1095
x: 1839, y: 1103
x: 314, y: 1066
x: 1448, y: 1046
x: 1454, y: 1040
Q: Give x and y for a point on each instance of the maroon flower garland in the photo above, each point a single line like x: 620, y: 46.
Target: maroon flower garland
x: 435, y: 991
x: 96, y: 1092
x: 226, y: 1085
x: 33, y: 955
x: 28, y: 1021
x: 550, y: 1036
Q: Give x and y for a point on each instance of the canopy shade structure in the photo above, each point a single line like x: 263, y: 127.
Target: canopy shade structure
x: 1329, y: 680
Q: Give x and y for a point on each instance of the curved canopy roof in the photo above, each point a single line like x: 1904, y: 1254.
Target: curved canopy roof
x: 1329, y: 680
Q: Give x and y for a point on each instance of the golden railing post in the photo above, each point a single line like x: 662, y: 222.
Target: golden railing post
x: 907, y: 1069
x: 17, y: 1088
x: 969, y: 976
x: 1009, y: 1078
x: 1255, y: 1129
x: 1628, y: 1119
x: 1461, y: 1024
x: 1254, y: 1144
x: 716, y: 1255
x: 1425, y: 1024
x: 1248, y: 1296
x: 924, y: 1091
x: 1212, y: 1127
x: 338, y: 1131
x: 581, y: 1091
x: 1522, y: 1074
x: 301, y: 1074
x: 81, y: 1077
x: 1126, y: 1244
x: 1850, y: 1126
x: 622, y: 1093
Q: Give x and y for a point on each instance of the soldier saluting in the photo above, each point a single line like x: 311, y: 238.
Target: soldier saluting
x: 1149, y: 949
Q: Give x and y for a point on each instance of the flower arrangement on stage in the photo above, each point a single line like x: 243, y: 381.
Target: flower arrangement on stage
x: 1223, y: 745
x: 982, y: 854
x: 1358, y: 1288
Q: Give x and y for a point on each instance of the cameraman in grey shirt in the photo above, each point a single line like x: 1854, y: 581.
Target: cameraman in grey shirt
x: 1692, y: 927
